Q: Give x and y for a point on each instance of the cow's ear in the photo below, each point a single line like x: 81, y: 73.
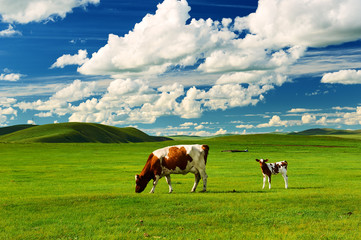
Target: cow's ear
x: 266, y: 160
x: 136, y: 177
x: 257, y: 160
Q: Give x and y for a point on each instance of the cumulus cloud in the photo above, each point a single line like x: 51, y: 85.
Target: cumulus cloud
x: 221, y: 131
x: 7, y: 102
x: 343, y: 77
x: 247, y: 126
x: 6, y: 111
x: 308, y: 118
x: 67, y: 59
x: 166, y: 40
x: 12, y: 77
x: 249, y: 57
x: 279, y: 34
x: 59, y: 103
x: 353, y: 118
x: 304, y: 23
x: 9, y: 32
x: 158, y: 42
x: 275, y: 121
x: 26, y: 11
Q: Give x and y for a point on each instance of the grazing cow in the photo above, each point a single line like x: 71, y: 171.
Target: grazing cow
x: 180, y: 159
x: 273, y: 168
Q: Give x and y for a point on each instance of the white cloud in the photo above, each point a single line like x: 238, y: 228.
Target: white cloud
x: 353, y: 118
x: 253, y: 77
x: 7, y: 102
x: 75, y: 91
x: 305, y: 23
x: 275, y: 121
x: 199, y: 127
x: 25, y: 11
x: 300, y: 110
x: 8, y: 111
x: 247, y: 126
x: 9, y: 32
x: 344, y: 108
x: 67, y: 59
x: 221, y: 131
x: 308, y: 118
x: 59, y: 103
x: 343, y: 77
x: 158, y: 42
x: 188, y: 124
x: 12, y: 77
x: 32, y: 122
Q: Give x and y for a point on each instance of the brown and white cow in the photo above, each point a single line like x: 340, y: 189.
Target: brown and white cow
x: 273, y: 168
x: 180, y: 159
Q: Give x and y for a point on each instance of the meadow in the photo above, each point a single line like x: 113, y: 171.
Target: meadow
x: 86, y: 191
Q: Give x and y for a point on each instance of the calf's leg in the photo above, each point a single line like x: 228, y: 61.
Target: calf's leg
x: 264, y: 181
x: 285, y: 177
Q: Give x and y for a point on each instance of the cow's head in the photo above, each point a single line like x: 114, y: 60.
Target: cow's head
x: 140, y: 184
x: 261, y: 161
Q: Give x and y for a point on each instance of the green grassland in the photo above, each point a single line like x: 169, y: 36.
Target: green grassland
x: 86, y: 191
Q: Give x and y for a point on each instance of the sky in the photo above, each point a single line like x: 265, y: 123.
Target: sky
x: 178, y: 67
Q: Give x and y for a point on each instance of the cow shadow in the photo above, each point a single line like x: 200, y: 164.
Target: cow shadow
x: 236, y: 191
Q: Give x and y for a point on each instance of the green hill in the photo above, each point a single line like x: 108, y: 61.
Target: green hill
x: 78, y: 132
x: 326, y: 131
x: 11, y: 129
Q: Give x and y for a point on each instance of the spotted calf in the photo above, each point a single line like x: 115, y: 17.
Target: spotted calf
x: 273, y: 168
x: 180, y: 159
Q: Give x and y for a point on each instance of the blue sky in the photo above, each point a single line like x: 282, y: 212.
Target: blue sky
x: 182, y: 67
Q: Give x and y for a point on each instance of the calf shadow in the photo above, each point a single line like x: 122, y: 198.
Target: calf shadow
x: 306, y: 187
x: 261, y: 191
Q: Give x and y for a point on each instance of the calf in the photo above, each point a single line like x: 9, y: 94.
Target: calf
x: 273, y: 168
x: 180, y: 159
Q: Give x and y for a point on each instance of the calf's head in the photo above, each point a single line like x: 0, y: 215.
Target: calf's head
x: 262, y: 161
x: 140, y: 183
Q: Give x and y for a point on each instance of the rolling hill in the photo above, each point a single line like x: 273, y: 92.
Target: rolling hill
x: 11, y: 129
x: 75, y: 132
x: 326, y: 131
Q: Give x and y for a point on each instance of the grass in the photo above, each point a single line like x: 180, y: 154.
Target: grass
x: 86, y: 191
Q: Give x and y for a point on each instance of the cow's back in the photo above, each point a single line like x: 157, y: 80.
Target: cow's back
x: 182, y: 158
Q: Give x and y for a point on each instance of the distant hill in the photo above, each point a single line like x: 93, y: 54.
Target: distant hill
x: 75, y: 132
x: 326, y: 131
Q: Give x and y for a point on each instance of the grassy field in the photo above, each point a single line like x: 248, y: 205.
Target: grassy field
x: 86, y: 191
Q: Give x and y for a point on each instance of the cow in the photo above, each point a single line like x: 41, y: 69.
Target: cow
x: 273, y: 168
x: 180, y: 159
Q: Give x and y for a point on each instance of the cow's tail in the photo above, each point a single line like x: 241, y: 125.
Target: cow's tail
x: 205, y: 149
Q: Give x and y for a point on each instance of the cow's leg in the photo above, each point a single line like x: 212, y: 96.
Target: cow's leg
x: 204, y: 178
x: 285, y: 177
x: 167, y: 178
x: 197, y: 177
x: 154, y: 183
x: 269, y: 181
x: 264, y: 181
